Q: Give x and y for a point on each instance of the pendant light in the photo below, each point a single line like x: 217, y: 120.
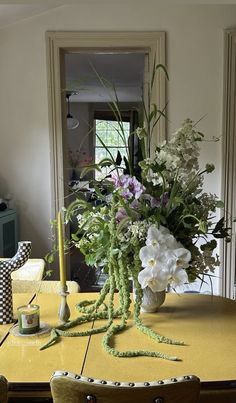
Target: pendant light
x: 72, y: 123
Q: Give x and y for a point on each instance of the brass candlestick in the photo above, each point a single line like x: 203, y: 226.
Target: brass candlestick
x: 64, y: 310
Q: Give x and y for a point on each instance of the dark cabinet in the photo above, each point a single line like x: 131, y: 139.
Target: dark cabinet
x: 8, y: 233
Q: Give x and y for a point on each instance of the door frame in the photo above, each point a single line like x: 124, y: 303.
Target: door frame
x: 229, y: 162
x: 59, y: 42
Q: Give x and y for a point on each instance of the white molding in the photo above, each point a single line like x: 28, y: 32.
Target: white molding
x: 229, y: 160
x: 72, y: 41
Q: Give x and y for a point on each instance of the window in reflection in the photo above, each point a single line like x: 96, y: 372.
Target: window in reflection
x: 109, y: 133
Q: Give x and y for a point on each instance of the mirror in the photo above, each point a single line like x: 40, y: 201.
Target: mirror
x: 105, y: 48
x: 90, y: 106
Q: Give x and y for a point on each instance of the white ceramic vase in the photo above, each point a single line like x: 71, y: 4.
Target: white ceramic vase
x: 151, y: 300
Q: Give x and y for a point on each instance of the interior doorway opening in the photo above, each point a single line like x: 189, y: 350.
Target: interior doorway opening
x: 95, y: 81
x: 106, y: 46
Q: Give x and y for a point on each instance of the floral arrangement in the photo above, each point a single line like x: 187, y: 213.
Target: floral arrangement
x: 159, y: 217
x: 151, y: 223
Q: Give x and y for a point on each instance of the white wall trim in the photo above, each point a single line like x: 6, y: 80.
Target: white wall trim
x: 70, y: 41
x: 229, y: 160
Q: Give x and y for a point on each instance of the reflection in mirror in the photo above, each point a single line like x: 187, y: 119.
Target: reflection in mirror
x: 89, y: 102
x: 90, y: 105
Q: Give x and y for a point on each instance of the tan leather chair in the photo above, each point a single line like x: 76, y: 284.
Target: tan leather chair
x: 219, y: 394
x: 67, y: 387
x: 33, y: 269
x: 3, y: 389
x: 44, y: 286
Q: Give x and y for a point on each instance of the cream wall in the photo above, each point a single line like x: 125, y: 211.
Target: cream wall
x: 194, y: 60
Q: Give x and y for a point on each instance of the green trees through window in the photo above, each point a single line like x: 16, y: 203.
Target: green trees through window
x: 109, y: 133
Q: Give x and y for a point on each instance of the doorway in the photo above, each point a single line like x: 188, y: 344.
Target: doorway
x: 109, y: 54
x: 94, y: 80
x: 228, y: 283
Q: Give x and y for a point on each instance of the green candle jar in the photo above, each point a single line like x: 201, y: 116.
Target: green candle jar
x: 28, y: 319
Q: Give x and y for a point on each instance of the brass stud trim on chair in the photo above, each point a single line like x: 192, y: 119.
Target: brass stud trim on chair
x: 91, y: 399
x: 166, y: 383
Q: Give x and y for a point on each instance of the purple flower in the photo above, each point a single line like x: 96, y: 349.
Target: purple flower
x: 153, y: 201
x: 116, y: 181
x: 157, y: 202
x: 120, y: 215
x: 135, y: 204
x: 129, y: 185
x: 164, y: 199
x: 133, y: 187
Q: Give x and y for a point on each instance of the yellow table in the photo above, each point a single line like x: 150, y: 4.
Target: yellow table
x: 26, y: 367
x: 206, y: 324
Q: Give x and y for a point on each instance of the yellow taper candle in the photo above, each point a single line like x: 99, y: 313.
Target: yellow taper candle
x: 61, y: 251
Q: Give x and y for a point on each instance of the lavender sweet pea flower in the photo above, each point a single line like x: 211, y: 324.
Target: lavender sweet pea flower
x: 152, y: 200
x: 120, y: 215
x: 135, y: 204
x: 116, y: 181
x: 126, y: 194
x: 129, y: 186
x: 164, y: 199
x: 134, y: 186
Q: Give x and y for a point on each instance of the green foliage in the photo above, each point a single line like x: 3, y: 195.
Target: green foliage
x: 165, y: 190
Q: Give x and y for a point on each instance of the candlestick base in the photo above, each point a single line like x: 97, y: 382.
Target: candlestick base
x: 64, y: 310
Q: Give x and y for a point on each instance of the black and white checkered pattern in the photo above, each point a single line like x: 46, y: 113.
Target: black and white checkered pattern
x: 6, y: 267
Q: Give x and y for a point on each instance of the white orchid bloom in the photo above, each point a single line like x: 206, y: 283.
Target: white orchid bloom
x: 177, y: 277
x: 154, y: 274
x: 156, y: 280
x: 176, y: 261
x: 161, y: 237
x: 178, y: 258
x: 150, y: 256
x: 164, y: 260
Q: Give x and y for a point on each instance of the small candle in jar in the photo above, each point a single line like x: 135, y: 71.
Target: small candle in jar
x: 28, y: 319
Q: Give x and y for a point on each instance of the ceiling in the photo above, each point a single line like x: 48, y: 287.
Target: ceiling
x: 13, y: 11
x: 124, y: 71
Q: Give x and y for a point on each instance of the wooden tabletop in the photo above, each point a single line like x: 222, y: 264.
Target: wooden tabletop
x: 206, y: 324
x: 23, y: 352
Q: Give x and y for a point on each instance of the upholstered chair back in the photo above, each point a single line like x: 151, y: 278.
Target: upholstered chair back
x: 67, y: 387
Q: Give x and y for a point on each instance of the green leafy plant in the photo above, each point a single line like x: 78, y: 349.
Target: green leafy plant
x: 151, y: 223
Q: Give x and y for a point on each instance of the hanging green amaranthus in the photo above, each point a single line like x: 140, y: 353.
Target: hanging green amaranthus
x: 119, y: 277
